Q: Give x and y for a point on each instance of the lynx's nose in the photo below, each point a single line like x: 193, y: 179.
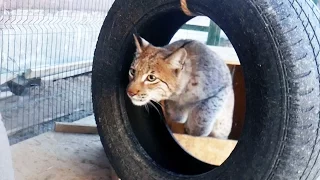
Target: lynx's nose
x: 132, y: 93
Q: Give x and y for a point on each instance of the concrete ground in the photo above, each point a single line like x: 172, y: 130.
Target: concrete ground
x: 61, y: 156
x: 58, y: 156
x: 66, y: 156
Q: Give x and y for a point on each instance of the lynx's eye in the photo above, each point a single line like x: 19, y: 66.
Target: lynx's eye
x: 132, y: 72
x: 151, y: 78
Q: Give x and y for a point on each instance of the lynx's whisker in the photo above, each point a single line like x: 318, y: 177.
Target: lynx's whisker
x: 151, y: 103
x: 157, y: 103
x: 147, y: 108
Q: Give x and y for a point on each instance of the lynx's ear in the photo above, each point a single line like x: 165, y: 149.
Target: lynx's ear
x: 140, y: 43
x: 177, y: 58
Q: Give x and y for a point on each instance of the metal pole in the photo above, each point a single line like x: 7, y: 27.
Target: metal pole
x: 213, y: 34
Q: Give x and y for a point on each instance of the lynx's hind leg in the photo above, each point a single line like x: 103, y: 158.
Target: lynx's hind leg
x: 223, y: 125
x: 222, y: 128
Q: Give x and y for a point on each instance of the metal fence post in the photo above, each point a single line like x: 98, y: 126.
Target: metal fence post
x: 213, y: 34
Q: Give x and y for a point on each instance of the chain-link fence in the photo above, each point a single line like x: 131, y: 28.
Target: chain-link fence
x: 46, y: 51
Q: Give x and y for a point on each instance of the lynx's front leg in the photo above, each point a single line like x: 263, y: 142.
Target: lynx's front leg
x: 203, y: 116
x: 173, y: 112
x: 172, y: 125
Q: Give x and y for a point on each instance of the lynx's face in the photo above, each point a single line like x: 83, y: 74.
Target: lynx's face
x: 153, y: 73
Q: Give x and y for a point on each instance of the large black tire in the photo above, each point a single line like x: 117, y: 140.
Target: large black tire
x: 277, y: 42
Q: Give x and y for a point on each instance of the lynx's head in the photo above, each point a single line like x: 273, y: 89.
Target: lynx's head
x: 154, y: 73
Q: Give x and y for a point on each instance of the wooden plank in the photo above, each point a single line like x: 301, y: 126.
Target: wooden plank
x: 56, y: 69
x: 240, y: 103
x: 75, y: 128
x: 209, y: 150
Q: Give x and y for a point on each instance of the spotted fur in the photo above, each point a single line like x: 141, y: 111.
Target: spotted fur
x: 193, y: 84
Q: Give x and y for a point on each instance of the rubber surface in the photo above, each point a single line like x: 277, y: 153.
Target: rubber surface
x: 278, y: 44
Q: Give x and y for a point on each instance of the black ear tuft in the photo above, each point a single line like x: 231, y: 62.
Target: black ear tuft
x: 140, y: 43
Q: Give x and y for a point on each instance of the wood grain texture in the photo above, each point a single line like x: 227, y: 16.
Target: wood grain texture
x: 210, y: 150
x: 75, y: 128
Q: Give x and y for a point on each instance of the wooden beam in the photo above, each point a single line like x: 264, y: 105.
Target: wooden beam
x: 210, y: 150
x: 66, y: 127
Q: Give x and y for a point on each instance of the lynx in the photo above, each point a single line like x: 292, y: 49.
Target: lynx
x: 191, y: 82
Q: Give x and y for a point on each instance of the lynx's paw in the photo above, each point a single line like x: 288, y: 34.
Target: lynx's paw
x: 193, y: 129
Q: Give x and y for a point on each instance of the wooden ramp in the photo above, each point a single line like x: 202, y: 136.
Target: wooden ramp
x: 209, y: 150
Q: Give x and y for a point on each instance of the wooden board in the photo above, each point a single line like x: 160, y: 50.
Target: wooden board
x: 75, y: 128
x: 209, y: 150
x: 240, y: 103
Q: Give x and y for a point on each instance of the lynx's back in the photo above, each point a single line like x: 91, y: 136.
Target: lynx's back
x: 192, y: 82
